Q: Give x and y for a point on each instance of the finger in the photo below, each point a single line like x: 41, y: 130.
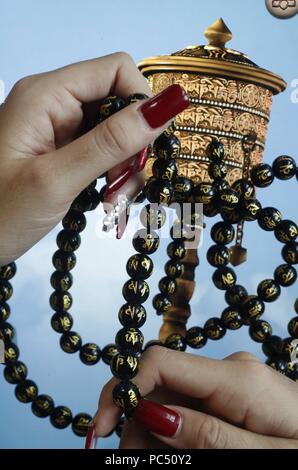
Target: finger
x: 200, y: 431
x: 107, y: 415
x: 134, y: 437
x: 241, y: 356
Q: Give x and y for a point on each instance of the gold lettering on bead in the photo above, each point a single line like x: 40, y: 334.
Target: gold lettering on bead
x: 132, y: 337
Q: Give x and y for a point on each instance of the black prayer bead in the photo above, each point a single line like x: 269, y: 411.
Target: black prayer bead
x: 111, y: 105
x: 153, y: 216
x: 126, y: 395
x: 296, y: 306
x: 252, y: 308
x: 61, y: 301
x: 80, y: 424
x: 214, y: 329
x: 231, y: 318
x: 167, y: 286
x: 90, y: 354
x: 221, y: 185
x: 232, y: 216
x: 74, y: 220
x: 68, y: 240
x: 70, y: 342
x: 61, y: 417
x: 125, y: 367
x: 290, y: 253
x: 139, y: 266
x: 262, y: 175
x: 285, y: 275
x: 280, y: 365
x: 64, y: 261
x: 159, y: 191
x: 204, y: 193
x: 167, y: 146
x: 223, y: 233
x: 250, y: 209
x: 289, y: 349
x: 260, y: 330
x: 244, y: 188
x: 129, y: 339
x: 43, y: 406
x: 284, y: 167
x: 228, y: 199
x: 224, y: 278
x: 135, y: 291
x: 216, y: 150
x: 11, y: 353
x: 293, y: 327
x: 108, y: 352
x: 4, y: 311
x: 235, y: 294
x: 62, y: 322
x: 183, y: 188
x: 176, y: 250
x: 135, y: 97
x: 132, y: 315
x: 272, y: 347
x: 26, y: 391
x: 286, y: 232
x: 196, y: 337
x: 15, y: 373
x: 217, y: 170
x: 180, y: 231
x: 210, y: 210
x: 165, y: 169
x: 161, y: 303
x: 218, y: 256
x: 7, y: 332
x: 174, y: 269
x: 269, y: 218
x: 61, y: 281
x: 8, y: 271
x: 268, y: 290
x: 146, y: 243
x: 82, y: 202
x: 176, y: 342
x: 5, y: 290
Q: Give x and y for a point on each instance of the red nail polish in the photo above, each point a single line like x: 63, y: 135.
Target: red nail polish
x: 141, y: 159
x: 164, y: 106
x: 156, y: 418
x: 119, y: 181
x: 91, y: 439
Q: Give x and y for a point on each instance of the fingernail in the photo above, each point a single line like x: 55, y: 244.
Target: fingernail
x: 156, y: 418
x: 91, y: 439
x: 141, y: 160
x: 164, y: 106
x: 119, y: 181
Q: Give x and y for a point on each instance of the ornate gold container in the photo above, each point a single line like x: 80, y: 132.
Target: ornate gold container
x: 230, y: 97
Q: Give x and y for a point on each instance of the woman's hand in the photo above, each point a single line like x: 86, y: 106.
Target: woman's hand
x: 45, y: 161
x: 237, y: 403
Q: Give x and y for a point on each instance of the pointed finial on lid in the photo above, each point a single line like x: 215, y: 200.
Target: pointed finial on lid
x: 218, y: 34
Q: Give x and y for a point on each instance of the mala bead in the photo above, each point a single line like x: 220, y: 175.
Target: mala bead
x: 129, y: 339
x: 61, y: 417
x: 223, y: 233
x: 235, y: 295
x: 4, y: 312
x: 111, y: 105
x: 82, y: 202
x: 286, y: 232
x: 135, y: 97
x: 269, y: 219
x: 15, y: 373
x: 125, y: 367
x: 146, y: 243
x: 61, y: 301
x: 218, y: 256
x: 64, y: 261
x: 272, y: 347
x: 192, y: 216
x: 214, y: 329
x: 68, y: 240
x: 228, y: 199
x: 204, y: 193
x: 244, y: 188
x: 232, y: 216
x: 250, y: 209
x: 126, y: 395
x: 296, y: 306
x: 74, y: 220
x: 176, y: 342
x: 159, y: 191
x: 217, y: 170
x: 5, y: 290
x: 262, y: 175
x: 289, y: 349
x: 90, y: 354
x: 268, y: 290
x: 43, y: 406
x: 70, y: 342
x: 280, y: 365
x: 26, y: 391
x: 119, y: 427
x: 139, y: 266
x: 62, y: 322
x: 167, y: 286
x: 176, y: 250
x: 108, y: 352
x: 80, y: 424
x: 165, y: 169
x: 231, y: 318
x: 221, y: 185
x: 290, y: 253
x: 132, y: 315
x: 210, y: 210
x: 285, y: 275
x: 179, y: 232
x: 183, y: 188
x: 196, y: 337
x: 284, y: 167
x: 167, y: 146
x: 8, y: 271
x: 252, y: 308
x: 224, y: 278
x: 293, y: 327
x: 7, y: 332
x: 260, y: 330
x: 135, y: 291
x: 61, y: 281
x: 174, y: 269
x: 216, y: 150
x: 161, y: 303
x: 153, y: 216
x: 153, y: 342
x: 11, y: 353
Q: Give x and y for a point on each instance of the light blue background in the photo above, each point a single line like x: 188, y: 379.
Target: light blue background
x: 37, y: 36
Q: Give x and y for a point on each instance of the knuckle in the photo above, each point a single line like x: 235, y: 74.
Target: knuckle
x: 23, y: 84
x: 123, y: 57
x: 209, y: 435
x: 156, y: 354
x: 112, y: 137
x: 254, y: 370
x: 243, y: 356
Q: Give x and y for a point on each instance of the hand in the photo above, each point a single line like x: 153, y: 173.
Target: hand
x: 237, y: 403
x: 45, y: 161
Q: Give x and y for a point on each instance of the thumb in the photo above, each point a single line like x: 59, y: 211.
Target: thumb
x: 117, y: 138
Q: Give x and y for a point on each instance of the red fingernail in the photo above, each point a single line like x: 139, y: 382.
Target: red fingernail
x: 164, y: 106
x: 91, y: 439
x: 156, y: 418
x: 119, y: 181
x: 141, y: 160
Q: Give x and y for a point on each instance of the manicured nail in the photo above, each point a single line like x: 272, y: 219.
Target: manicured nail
x: 91, y: 439
x: 119, y: 181
x: 161, y: 108
x: 141, y: 159
x: 156, y: 418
